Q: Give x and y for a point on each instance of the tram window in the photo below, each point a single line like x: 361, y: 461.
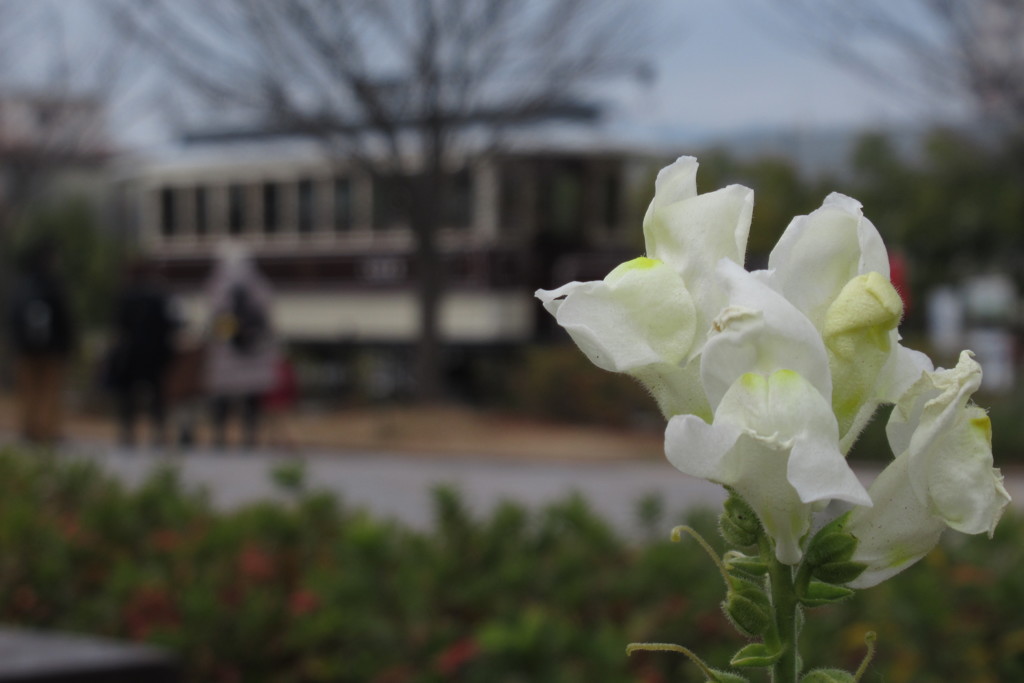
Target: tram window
x: 342, y: 204
x: 562, y: 196
x: 612, y: 200
x: 271, y: 207
x: 168, y: 212
x: 236, y: 209
x: 202, y: 224
x: 389, y: 205
x: 306, y: 192
x: 513, y: 197
x: 458, y: 210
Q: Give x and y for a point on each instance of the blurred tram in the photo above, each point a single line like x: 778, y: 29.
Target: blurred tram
x: 341, y: 256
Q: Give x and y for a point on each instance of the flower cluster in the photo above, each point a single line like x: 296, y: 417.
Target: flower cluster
x: 767, y: 377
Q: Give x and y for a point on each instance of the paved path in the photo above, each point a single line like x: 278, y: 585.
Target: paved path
x: 398, y: 486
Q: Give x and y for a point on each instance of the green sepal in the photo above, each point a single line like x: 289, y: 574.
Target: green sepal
x: 756, y: 655
x: 828, y: 676
x: 838, y: 572
x: 831, y: 544
x: 836, y: 547
x: 817, y: 594
x: 752, y: 565
x: 748, y: 608
x: 716, y: 676
x: 738, y: 523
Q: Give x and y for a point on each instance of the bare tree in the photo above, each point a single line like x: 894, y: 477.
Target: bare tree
x: 933, y: 49
x: 57, y: 79
x: 399, y: 87
x: 68, y: 78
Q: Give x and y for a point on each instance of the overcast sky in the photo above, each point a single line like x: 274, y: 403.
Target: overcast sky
x: 722, y: 67
x: 732, y: 65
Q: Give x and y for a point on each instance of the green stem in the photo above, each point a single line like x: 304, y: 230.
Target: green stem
x: 677, y: 535
x: 709, y: 674
x: 784, y: 600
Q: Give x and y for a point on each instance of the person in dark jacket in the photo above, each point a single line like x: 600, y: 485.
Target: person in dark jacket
x: 42, y: 334
x: 143, y: 349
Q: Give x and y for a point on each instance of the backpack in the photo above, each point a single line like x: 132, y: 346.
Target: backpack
x: 249, y: 321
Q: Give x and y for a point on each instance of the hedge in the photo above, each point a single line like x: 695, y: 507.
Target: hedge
x: 313, y: 590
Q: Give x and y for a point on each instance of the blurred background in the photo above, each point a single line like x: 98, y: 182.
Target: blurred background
x: 405, y: 177
x: 354, y: 201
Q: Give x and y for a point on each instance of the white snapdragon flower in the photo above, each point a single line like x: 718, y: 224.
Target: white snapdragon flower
x: 833, y: 266
x: 649, y: 317
x: 767, y: 378
x: 942, y: 475
x: 773, y: 438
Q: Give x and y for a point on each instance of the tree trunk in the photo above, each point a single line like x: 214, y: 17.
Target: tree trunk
x: 427, y: 362
x: 427, y: 192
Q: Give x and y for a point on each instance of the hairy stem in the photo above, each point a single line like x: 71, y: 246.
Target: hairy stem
x: 787, y: 627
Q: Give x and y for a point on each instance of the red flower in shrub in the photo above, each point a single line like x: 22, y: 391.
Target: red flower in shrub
x: 971, y: 575
x: 256, y: 563
x: 149, y: 608
x: 303, y: 602
x: 455, y: 656
x: 648, y: 674
x: 69, y: 526
x: 24, y: 599
x: 166, y: 540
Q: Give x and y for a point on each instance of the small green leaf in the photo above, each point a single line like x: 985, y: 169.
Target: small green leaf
x: 838, y: 572
x: 755, y: 566
x: 836, y: 547
x: 748, y: 608
x: 828, y: 676
x: 818, y: 594
x: 831, y: 544
x: 716, y: 676
x: 756, y: 655
x: 734, y: 535
x: 739, y: 524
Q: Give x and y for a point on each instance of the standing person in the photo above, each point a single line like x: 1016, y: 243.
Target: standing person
x: 242, y: 352
x: 42, y: 333
x: 145, y: 325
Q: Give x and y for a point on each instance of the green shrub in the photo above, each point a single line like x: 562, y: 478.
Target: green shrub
x: 312, y: 590
x: 559, y: 383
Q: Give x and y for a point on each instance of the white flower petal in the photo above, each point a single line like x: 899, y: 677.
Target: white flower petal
x: 763, y: 483
x: 723, y: 453
x: 760, y: 332
x: 676, y: 388
x: 938, y: 407
x: 675, y: 182
x: 895, y: 533
x: 640, y: 314
x: 950, y: 452
x: 942, y: 475
x: 696, y: 448
x: 774, y: 440
x: 964, y: 490
x: 693, y: 235
x: 552, y: 299
x: 818, y: 254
